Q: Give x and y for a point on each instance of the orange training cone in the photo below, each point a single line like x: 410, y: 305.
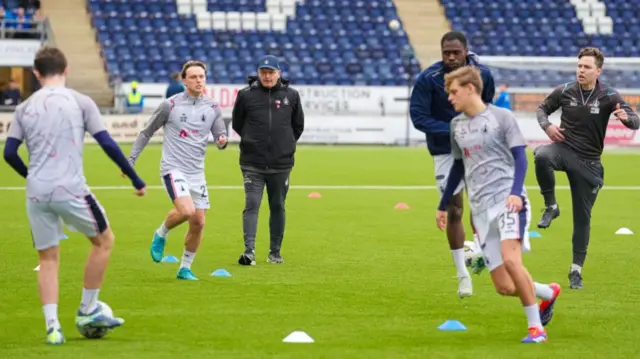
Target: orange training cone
x: 315, y: 195
x: 402, y: 205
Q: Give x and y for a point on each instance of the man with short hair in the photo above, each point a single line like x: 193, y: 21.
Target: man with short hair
x: 269, y: 118
x: 587, y: 105
x: 187, y: 119
x: 489, y: 153
x: 431, y: 113
x: 53, y: 122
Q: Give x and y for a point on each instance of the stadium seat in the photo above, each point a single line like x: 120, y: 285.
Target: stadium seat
x: 550, y: 28
x: 331, y: 42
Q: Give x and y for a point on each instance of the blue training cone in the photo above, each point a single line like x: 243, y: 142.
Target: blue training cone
x: 221, y: 273
x: 451, y: 325
x: 64, y: 236
x: 534, y: 234
x: 170, y: 259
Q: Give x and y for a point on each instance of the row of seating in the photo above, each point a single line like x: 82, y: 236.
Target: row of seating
x: 348, y: 42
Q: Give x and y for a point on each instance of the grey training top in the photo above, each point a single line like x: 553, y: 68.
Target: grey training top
x: 53, y: 122
x: 484, y: 143
x: 187, y: 122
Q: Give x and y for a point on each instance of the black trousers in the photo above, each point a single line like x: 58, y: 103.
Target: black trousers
x: 277, y: 187
x: 586, y: 178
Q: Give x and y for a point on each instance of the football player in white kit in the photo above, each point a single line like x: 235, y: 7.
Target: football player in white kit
x: 489, y: 153
x: 187, y: 119
x: 52, y: 122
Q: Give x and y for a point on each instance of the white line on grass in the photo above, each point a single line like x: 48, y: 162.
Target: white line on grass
x: 328, y: 187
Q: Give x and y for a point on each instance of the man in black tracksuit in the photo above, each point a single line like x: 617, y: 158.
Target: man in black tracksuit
x: 268, y: 117
x: 587, y: 104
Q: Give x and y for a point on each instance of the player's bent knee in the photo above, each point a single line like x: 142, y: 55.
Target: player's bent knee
x: 187, y: 212
x: 185, y: 207
x: 104, y: 240
x: 542, y: 154
x: 197, y: 221
x: 512, y: 265
x: 504, y: 289
x: 454, y: 213
x: 50, y: 253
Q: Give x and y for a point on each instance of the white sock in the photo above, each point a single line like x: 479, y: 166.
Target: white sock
x: 458, y: 259
x: 533, y: 316
x: 89, y: 300
x: 575, y: 267
x: 543, y: 291
x: 51, y: 315
x: 187, y: 259
x: 162, y: 231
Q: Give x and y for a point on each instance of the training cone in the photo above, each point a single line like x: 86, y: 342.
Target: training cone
x: 170, y: 259
x: 64, y: 236
x: 401, y: 206
x: 534, y: 234
x: 624, y: 230
x: 298, y: 337
x: 221, y: 273
x: 451, y: 325
x: 315, y: 195
x: 37, y: 268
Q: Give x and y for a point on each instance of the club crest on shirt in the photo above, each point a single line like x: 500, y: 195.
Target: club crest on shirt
x: 595, y: 107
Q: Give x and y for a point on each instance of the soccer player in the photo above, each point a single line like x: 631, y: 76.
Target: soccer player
x: 431, y: 113
x: 587, y: 104
x: 489, y: 152
x: 187, y: 119
x: 53, y: 122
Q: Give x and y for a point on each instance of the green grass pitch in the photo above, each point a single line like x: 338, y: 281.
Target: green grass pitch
x: 364, y: 280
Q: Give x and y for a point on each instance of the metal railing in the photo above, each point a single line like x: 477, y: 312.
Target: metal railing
x: 23, y: 29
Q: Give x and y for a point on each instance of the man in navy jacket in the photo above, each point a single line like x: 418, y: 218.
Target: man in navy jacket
x: 431, y: 113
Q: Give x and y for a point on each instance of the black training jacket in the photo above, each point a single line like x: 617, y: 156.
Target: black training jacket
x: 585, y: 115
x: 269, y: 122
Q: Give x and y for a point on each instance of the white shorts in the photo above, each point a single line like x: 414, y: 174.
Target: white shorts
x: 83, y: 214
x: 496, y: 225
x: 442, y: 165
x: 178, y: 185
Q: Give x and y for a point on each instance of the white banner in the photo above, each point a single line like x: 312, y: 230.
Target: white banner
x: 388, y: 130
x: 328, y: 100
x: 18, y: 53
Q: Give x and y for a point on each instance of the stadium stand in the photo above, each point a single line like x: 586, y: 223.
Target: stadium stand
x: 549, y: 28
x: 334, y: 42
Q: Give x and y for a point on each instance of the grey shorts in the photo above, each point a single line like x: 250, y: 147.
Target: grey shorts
x: 46, y: 219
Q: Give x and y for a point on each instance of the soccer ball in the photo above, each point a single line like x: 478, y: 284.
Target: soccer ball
x: 97, y: 333
x: 394, y: 24
x: 471, y: 251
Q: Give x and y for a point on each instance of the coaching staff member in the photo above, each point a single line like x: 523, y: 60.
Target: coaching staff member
x: 587, y: 104
x: 268, y: 117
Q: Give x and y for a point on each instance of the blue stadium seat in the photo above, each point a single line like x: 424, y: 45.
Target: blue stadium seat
x: 343, y: 42
x: 332, y: 42
x: 544, y: 28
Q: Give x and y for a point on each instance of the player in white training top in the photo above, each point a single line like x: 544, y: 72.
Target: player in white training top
x: 489, y: 152
x: 53, y: 122
x: 187, y: 119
